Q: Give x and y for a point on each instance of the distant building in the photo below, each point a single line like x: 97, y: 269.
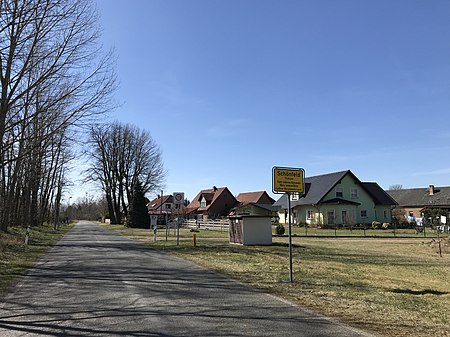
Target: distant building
x: 163, y: 205
x: 211, y: 203
x: 414, y: 201
x: 338, y: 198
x: 255, y: 204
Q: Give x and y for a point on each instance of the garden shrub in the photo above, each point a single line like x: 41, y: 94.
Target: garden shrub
x: 280, y: 229
x: 386, y: 225
x: 376, y: 225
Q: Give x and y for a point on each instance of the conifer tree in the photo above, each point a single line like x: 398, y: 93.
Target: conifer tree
x: 138, y: 213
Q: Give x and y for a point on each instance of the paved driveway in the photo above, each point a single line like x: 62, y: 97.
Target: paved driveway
x: 98, y: 283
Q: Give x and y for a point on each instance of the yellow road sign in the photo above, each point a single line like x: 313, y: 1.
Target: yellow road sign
x: 288, y: 180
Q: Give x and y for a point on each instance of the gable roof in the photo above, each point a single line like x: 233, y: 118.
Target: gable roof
x: 157, y: 202
x: 317, y: 187
x: 265, y: 207
x: 254, y: 197
x: 420, y: 197
x: 210, y: 195
x: 380, y: 196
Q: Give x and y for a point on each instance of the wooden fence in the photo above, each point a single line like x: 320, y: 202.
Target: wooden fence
x: 213, y: 225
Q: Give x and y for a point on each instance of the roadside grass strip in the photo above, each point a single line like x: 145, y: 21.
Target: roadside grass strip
x: 16, y: 257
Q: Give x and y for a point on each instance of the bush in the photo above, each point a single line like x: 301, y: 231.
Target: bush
x: 376, y: 225
x: 279, y: 230
x: 386, y: 225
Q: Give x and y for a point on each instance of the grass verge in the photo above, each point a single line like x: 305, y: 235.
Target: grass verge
x: 389, y: 286
x: 16, y: 257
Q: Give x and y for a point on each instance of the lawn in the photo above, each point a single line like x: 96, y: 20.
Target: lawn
x: 389, y: 286
x: 16, y: 257
x: 364, y: 232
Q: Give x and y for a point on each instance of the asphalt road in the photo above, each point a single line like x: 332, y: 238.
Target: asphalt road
x: 98, y: 283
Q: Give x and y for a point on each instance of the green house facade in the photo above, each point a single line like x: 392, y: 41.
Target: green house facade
x: 338, y: 198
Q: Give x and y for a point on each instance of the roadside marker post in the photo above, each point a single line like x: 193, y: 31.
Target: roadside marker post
x: 288, y: 180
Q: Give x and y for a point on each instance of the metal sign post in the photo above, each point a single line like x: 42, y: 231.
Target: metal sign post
x: 178, y: 199
x: 288, y: 180
x: 291, y: 278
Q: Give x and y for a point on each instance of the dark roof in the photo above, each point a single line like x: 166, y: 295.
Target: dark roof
x: 420, y: 197
x: 317, y: 187
x: 380, y: 196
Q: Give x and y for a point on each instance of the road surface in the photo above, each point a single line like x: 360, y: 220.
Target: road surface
x: 96, y: 282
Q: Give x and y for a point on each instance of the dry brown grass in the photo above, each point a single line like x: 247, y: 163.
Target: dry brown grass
x: 392, y: 287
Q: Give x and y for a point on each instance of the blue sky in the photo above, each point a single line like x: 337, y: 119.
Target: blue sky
x: 231, y: 88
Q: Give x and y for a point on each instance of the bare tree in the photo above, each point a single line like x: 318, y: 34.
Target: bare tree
x: 53, y: 77
x: 396, y: 187
x: 120, y: 156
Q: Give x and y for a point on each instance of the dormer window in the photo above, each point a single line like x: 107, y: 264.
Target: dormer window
x: 203, y: 202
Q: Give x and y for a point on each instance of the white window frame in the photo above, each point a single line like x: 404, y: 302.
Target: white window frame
x: 295, y: 196
x: 309, y: 214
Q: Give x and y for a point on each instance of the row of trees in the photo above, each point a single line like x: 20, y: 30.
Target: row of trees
x: 54, y: 78
x: 56, y: 82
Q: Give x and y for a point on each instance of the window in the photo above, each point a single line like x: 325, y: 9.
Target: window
x: 364, y: 213
x: 168, y: 206
x: 385, y: 214
x: 309, y: 215
x: 354, y: 193
x: 339, y: 192
x: 203, y: 203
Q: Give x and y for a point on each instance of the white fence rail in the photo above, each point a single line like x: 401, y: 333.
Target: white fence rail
x: 213, y: 225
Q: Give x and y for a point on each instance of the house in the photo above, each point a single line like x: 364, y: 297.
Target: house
x: 211, y: 203
x: 255, y: 204
x: 163, y: 205
x: 413, y: 202
x: 338, y: 198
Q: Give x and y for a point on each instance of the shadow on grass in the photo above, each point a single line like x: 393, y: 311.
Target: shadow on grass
x: 419, y: 292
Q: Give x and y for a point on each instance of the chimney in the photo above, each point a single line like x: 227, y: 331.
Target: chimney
x: 214, y: 188
x: 431, y: 190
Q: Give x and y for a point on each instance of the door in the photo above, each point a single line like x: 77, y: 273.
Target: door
x: 344, y: 217
x: 330, y: 217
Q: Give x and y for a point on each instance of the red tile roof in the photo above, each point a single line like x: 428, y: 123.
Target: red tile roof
x: 155, y: 204
x: 210, y: 196
x: 252, y: 197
